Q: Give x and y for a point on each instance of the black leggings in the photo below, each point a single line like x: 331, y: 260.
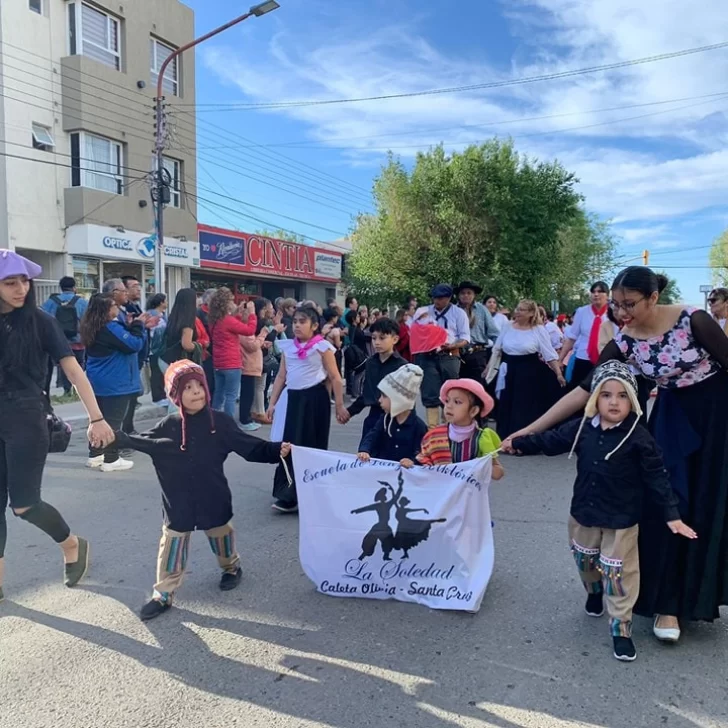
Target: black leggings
x: 247, y: 395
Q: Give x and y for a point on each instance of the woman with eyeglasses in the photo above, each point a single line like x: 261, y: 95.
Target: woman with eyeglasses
x: 684, y: 352
x: 718, y: 302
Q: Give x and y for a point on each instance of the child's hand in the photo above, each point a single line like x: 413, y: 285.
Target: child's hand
x: 342, y: 415
x: 365, y: 457
x: 681, y: 529
x: 498, y: 471
x: 507, y: 447
x: 285, y: 449
x: 406, y: 463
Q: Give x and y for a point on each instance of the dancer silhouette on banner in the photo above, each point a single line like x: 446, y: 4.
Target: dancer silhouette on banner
x: 411, y: 531
x: 381, y: 530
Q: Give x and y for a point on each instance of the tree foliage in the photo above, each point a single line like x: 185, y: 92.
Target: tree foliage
x: 719, y: 259
x: 282, y: 235
x: 515, y: 225
x: 671, y: 293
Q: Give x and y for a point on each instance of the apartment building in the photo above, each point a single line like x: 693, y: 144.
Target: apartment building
x: 77, y: 87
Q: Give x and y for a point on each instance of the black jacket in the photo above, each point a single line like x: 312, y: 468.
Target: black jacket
x: 375, y: 370
x: 610, y: 493
x: 392, y: 441
x: 195, y: 491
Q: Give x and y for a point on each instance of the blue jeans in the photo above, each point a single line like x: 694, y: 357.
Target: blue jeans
x: 227, y: 389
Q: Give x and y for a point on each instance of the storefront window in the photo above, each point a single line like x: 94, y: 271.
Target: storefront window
x: 86, y: 274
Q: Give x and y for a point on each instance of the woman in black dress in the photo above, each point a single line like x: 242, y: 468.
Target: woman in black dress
x: 685, y: 353
x: 411, y: 531
x: 381, y: 531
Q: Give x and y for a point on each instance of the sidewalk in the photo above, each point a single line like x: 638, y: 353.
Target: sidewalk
x: 74, y: 413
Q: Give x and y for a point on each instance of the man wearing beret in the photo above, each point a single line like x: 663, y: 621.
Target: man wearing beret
x: 444, y: 363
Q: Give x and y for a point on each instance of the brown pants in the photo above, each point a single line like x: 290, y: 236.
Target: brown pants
x: 608, y: 563
x: 172, y: 559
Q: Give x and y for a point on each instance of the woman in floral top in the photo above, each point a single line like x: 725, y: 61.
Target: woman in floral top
x: 684, y: 351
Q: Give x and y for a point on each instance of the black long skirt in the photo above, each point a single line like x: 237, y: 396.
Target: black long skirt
x: 679, y: 577
x: 308, y: 423
x: 531, y: 388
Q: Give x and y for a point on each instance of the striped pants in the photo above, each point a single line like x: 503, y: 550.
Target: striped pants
x: 172, y: 559
x: 608, y: 563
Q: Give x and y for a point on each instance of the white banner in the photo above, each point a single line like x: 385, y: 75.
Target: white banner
x: 379, y: 531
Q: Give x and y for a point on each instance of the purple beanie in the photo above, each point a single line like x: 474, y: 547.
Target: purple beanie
x: 12, y: 264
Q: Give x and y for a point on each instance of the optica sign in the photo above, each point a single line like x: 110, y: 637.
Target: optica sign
x: 249, y: 253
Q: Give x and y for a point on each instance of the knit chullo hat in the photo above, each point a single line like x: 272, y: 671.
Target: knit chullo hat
x: 611, y: 371
x: 402, y: 387
x: 176, y: 377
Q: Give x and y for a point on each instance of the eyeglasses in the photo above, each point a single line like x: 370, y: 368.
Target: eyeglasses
x: 715, y: 300
x: 626, y: 306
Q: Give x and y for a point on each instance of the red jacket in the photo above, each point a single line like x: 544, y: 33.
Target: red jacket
x: 225, y: 335
x: 402, y: 347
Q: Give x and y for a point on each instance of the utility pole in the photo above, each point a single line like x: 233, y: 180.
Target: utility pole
x: 161, y: 181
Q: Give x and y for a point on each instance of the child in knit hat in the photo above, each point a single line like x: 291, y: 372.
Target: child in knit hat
x: 465, y: 404
x: 398, y: 433
x: 188, y: 450
x: 618, y: 463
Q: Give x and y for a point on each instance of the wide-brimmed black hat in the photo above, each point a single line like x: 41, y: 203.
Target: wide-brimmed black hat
x: 468, y: 285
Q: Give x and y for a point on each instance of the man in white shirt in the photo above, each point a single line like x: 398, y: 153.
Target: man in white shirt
x: 583, y: 334
x: 443, y: 364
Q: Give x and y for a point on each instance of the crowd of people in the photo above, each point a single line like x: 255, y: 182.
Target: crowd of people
x: 648, y: 526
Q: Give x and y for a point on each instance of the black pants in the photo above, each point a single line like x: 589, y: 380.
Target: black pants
x: 156, y: 379
x: 474, y: 363
x: 247, y: 395
x: 209, y: 375
x: 127, y: 424
x: 114, y: 410
x: 62, y: 379
x: 582, y: 369
x: 437, y: 369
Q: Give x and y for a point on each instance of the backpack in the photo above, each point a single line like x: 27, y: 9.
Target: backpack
x: 67, y: 315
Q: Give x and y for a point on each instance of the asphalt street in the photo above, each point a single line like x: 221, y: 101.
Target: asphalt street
x: 275, y: 653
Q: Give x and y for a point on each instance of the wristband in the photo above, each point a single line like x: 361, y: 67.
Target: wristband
x: 93, y: 422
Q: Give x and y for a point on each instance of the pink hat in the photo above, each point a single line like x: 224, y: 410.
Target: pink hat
x: 469, y: 385
x: 12, y: 264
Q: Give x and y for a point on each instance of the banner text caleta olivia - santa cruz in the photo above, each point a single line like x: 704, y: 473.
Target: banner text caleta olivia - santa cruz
x: 376, y: 530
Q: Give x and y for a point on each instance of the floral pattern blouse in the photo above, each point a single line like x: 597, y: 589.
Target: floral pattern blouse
x: 672, y: 360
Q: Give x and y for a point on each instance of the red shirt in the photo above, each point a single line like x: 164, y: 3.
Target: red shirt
x: 226, y: 352
x: 402, y: 347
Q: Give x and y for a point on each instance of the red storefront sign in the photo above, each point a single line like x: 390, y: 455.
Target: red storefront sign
x: 234, y: 251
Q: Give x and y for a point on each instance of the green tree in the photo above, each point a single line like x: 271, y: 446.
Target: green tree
x: 671, y: 292
x: 489, y: 214
x: 719, y: 259
x: 282, y: 235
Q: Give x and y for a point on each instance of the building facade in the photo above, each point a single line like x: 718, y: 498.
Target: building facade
x: 253, y: 265
x: 77, y: 87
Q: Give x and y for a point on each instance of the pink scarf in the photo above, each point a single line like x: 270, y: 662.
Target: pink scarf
x: 302, y: 351
x: 460, y: 434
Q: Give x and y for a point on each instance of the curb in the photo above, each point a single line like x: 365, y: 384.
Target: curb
x: 146, y: 411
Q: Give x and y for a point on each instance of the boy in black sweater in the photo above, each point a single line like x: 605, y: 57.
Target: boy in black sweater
x: 385, y: 334
x: 618, y: 462
x: 188, y: 450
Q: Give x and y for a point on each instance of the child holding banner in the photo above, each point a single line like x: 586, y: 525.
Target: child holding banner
x: 188, y: 450
x: 398, y: 433
x: 465, y: 402
x: 618, y: 463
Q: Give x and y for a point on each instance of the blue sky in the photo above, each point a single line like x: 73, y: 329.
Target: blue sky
x: 661, y: 178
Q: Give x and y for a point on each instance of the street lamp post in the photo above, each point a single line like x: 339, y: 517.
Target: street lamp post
x: 160, y: 185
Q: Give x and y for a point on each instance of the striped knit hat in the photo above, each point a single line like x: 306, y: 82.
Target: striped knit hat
x: 175, y: 381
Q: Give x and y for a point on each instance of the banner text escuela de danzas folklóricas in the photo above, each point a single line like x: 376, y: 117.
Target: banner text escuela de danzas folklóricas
x: 379, y: 531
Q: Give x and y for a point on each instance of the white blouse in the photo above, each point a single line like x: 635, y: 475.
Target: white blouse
x: 580, y: 330
x: 500, y: 320
x: 519, y: 342
x: 557, y: 338
x: 308, y: 372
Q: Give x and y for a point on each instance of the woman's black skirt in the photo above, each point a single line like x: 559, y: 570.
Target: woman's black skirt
x: 308, y: 424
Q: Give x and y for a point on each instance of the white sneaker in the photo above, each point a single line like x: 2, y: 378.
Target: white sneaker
x: 119, y: 464
x: 666, y: 634
x: 96, y: 462
x: 250, y: 427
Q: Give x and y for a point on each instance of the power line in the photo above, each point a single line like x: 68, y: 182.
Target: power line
x: 479, y: 86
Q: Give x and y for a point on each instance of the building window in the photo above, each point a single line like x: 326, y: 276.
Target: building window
x: 94, y: 33
x: 173, y: 176
x: 42, y: 138
x: 97, y: 163
x: 36, y: 6
x: 159, y: 52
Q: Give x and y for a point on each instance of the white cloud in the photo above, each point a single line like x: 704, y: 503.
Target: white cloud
x: 649, y: 168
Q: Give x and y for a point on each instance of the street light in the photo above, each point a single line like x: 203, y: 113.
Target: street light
x: 160, y: 185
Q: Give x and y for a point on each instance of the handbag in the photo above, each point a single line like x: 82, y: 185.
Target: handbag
x: 59, y: 431
x: 491, y: 371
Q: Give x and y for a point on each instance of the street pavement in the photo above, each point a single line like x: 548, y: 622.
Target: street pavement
x: 276, y: 654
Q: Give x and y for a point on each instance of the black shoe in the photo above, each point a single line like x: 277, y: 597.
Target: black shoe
x: 594, y: 606
x: 231, y: 581
x: 285, y: 507
x: 624, y: 649
x: 73, y: 573
x: 153, y: 608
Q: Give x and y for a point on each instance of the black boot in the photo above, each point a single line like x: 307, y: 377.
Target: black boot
x: 624, y: 649
x: 153, y: 608
x: 594, y: 606
x: 230, y: 581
